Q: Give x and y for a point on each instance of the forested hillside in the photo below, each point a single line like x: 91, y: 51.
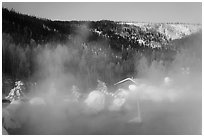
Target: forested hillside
x: 105, y: 50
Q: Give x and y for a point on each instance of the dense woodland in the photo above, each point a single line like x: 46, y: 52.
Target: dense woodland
x: 103, y: 49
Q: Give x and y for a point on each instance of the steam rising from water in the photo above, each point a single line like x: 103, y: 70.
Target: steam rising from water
x: 170, y: 99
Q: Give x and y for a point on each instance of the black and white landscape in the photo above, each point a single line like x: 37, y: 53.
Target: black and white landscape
x: 100, y: 77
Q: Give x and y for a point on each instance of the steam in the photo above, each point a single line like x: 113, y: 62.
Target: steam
x: 170, y: 97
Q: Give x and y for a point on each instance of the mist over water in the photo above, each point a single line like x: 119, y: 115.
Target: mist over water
x: 171, y: 107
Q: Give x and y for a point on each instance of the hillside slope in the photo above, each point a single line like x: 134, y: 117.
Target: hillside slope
x: 97, y: 46
x: 24, y: 29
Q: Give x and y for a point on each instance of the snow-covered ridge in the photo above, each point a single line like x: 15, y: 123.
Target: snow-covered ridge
x: 170, y: 30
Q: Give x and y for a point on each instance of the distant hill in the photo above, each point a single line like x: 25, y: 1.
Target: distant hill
x: 24, y: 29
x: 172, y: 31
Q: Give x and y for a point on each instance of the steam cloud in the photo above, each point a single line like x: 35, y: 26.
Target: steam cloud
x: 169, y: 106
